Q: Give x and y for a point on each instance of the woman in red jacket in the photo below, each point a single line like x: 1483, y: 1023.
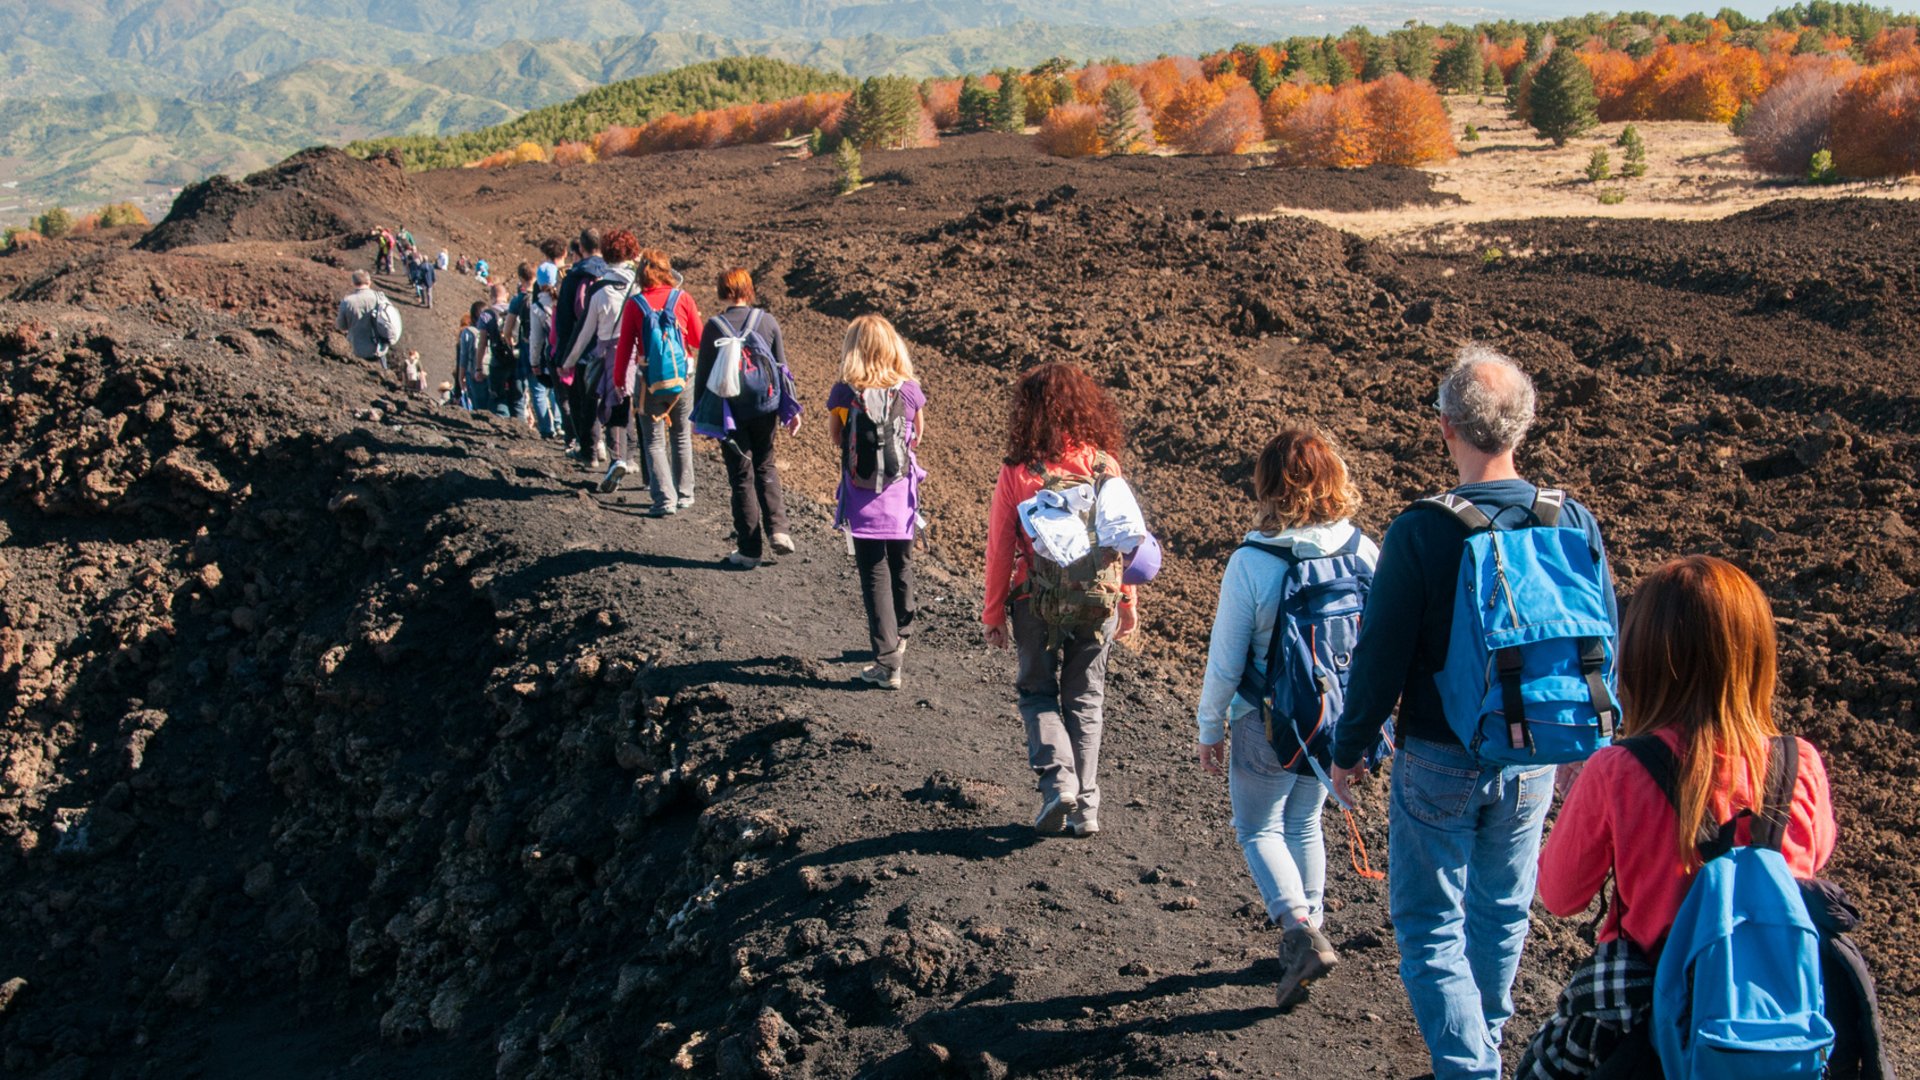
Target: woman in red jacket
x: 1062, y: 422
x: 669, y: 476
x: 1697, y: 673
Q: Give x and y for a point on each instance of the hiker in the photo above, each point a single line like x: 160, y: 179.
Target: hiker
x: 595, y: 337
x: 412, y: 375
x: 553, y: 255
x: 366, y: 315
x: 440, y: 261
x: 759, y: 506
x: 383, y: 251
x: 422, y: 273
x: 513, y: 328
x: 1697, y: 676
x: 1464, y: 832
x: 669, y: 475
x: 569, y: 314
x: 503, y: 384
x: 1271, y: 637
x: 535, y: 325
x: 463, y: 267
x: 469, y: 362
x: 876, y: 417
x: 482, y: 272
x: 1064, y: 428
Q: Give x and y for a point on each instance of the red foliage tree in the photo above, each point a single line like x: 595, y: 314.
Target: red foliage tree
x: 1070, y: 131
x: 1409, y: 122
x: 1229, y: 127
x: 1333, y: 130
x: 1186, y: 110
x: 1876, y: 122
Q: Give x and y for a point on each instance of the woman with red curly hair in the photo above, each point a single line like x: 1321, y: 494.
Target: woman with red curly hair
x: 1062, y: 424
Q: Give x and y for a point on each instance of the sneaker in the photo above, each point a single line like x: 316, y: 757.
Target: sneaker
x: 880, y: 675
x: 686, y: 502
x: 1052, y: 820
x: 782, y: 543
x: 660, y: 511
x: 744, y: 562
x: 1083, y: 824
x: 615, y: 473
x: 1305, y: 955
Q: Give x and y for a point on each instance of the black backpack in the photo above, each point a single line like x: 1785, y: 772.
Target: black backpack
x: 875, y: 452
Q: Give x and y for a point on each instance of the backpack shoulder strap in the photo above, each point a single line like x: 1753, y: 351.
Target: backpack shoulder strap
x: 1769, y: 827
x: 1547, y: 503
x: 1461, y: 510
x: 1658, y: 759
x: 1278, y: 551
x: 753, y: 322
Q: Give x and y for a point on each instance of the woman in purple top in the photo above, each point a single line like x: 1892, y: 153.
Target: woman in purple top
x: 874, y: 417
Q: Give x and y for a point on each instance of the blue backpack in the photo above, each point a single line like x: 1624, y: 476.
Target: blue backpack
x: 1737, y: 992
x: 760, y: 382
x: 667, y: 368
x: 1311, y: 655
x: 1529, y: 673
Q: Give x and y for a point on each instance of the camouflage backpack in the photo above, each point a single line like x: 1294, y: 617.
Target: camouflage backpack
x: 1078, y: 599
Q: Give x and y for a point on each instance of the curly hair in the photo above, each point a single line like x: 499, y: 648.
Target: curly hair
x: 621, y: 246
x: 1057, y: 406
x: 1299, y: 479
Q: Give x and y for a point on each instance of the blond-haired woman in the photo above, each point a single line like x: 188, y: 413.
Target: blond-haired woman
x: 1304, y: 500
x: 1697, y: 671
x: 875, y: 418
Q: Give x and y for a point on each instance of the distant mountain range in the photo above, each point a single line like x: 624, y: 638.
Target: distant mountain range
x: 109, y: 99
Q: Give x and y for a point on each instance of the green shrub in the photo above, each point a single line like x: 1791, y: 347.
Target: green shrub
x: 1472, y: 134
x: 847, y: 160
x: 1820, y: 168
x: 1599, y: 167
x: 1613, y: 197
x: 55, y: 223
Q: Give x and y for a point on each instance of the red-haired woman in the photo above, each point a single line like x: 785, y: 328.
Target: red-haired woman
x: 1303, y: 500
x: 759, y: 505
x: 1696, y: 681
x: 669, y: 475
x: 1062, y: 422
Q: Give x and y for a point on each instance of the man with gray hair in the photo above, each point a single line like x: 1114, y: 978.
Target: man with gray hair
x: 1464, y: 834
x: 356, y: 315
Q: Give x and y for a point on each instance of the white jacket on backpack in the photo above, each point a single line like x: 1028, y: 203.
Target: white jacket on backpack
x: 602, y: 320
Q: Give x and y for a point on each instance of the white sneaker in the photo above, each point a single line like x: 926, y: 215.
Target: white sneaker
x: 615, y: 473
x: 734, y: 558
x: 881, y: 676
x: 1052, y: 820
x: 782, y: 543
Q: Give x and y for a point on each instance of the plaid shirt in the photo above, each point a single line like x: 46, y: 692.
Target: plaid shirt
x: 1607, y: 998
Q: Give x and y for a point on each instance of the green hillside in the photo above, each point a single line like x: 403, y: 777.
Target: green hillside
x: 632, y: 101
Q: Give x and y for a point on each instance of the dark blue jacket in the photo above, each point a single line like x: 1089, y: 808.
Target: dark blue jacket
x: 1409, y: 616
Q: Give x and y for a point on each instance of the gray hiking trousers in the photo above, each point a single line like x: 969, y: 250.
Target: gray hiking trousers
x: 1062, y: 694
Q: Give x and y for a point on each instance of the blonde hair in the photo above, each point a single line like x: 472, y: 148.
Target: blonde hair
x: 873, y: 356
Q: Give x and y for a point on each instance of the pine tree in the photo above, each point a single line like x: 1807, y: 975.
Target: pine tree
x: 976, y: 105
x: 55, y: 223
x: 1264, y: 79
x: 1561, y: 102
x: 1380, y: 61
x: 1121, y: 128
x: 884, y: 113
x: 1493, y: 82
x: 1339, y: 71
x: 847, y: 160
x: 1010, y: 109
x: 1461, y: 70
x: 1634, y: 164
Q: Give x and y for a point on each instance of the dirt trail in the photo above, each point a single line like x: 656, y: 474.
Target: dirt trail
x: 347, y: 720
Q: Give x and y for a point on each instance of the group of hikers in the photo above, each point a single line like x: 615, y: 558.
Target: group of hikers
x: 1478, y: 644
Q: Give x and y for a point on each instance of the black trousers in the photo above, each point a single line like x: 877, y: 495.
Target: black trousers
x: 759, y: 506
x: 886, y: 584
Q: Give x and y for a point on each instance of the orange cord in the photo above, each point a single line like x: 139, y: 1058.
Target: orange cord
x: 1357, y: 850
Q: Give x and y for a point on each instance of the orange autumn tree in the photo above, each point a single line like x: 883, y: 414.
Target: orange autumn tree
x: 1282, y: 102
x: 1332, y: 130
x: 1229, y: 127
x: 1070, y: 131
x: 1409, y: 123
x: 1876, y: 121
x: 1188, y: 108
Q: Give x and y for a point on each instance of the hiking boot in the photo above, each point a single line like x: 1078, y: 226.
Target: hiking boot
x: 615, y: 473
x: 880, y: 675
x: 782, y: 544
x: 1083, y: 823
x: 1305, y: 955
x: 744, y: 562
x: 1052, y: 820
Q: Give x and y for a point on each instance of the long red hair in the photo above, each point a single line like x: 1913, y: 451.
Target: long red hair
x: 1697, y: 655
x: 1057, y: 406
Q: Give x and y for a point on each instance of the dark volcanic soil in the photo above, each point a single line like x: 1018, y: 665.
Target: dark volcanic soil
x: 352, y: 736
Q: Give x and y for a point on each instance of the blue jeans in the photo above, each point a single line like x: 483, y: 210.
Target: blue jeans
x: 1465, y: 846
x: 546, y: 408
x: 1276, y: 815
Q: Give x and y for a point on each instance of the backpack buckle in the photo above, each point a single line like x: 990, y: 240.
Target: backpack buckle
x: 1513, y: 704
